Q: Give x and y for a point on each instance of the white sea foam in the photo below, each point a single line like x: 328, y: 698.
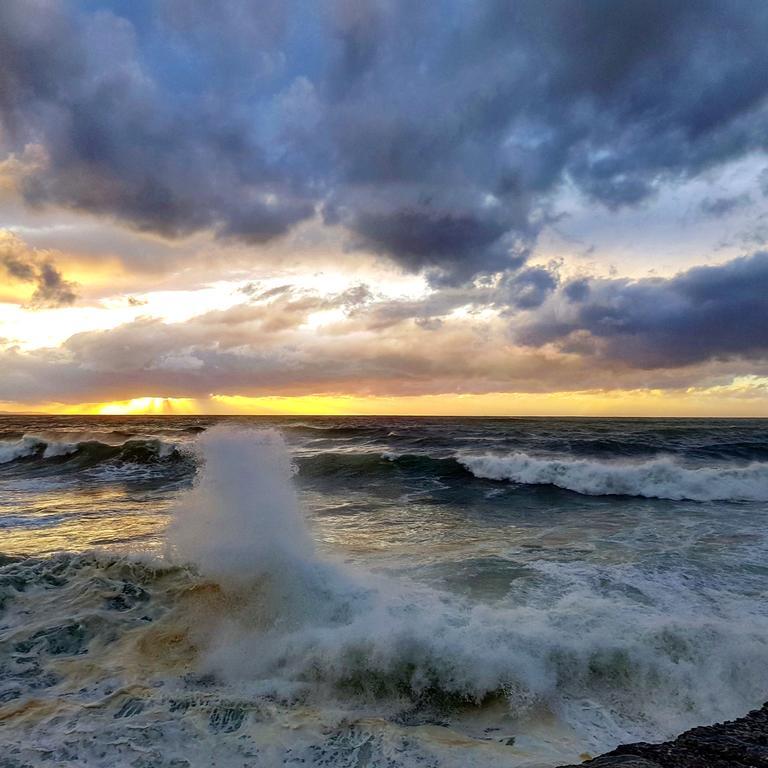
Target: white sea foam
x: 54, y: 449
x: 11, y: 450
x: 661, y: 478
x: 53, y: 445
x: 315, y: 663
x: 617, y: 652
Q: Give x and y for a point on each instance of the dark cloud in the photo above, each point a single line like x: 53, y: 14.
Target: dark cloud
x: 527, y: 289
x: 121, y: 142
x: 52, y: 290
x: 435, y: 133
x: 763, y: 182
x: 722, y: 206
x: 17, y: 267
x: 354, y: 298
x: 459, y: 243
x: 576, y: 290
x: 23, y: 264
x: 718, y: 312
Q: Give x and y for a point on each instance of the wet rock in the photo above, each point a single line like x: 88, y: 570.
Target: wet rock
x: 741, y: 743
x: 200, y: 681
x: 180, y: 705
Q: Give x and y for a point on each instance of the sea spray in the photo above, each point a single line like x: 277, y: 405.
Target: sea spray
x: 626, y: 651
x: 609, y: 619
x: 241, y: 519
x: 12, y: 450
x: 305, y: 618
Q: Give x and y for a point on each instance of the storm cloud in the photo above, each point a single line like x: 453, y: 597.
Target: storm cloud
x: 705, y: 313
x: 20, y: 263
x: 435, y: 134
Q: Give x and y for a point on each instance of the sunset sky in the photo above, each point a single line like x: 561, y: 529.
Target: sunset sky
x: 365, y: 206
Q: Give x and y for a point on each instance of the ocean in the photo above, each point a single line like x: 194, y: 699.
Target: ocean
x: 369, y: 592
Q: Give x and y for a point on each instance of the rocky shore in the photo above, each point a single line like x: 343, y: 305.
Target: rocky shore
x: 741, y: 743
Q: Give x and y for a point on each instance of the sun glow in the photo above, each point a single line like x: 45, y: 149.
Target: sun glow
x: 161, y: 406
x: 742, y: 398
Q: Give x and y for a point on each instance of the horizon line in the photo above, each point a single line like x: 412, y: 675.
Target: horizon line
x: 43, y: 414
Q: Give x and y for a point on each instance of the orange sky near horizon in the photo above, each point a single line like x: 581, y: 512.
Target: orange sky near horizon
x: 742, y: 401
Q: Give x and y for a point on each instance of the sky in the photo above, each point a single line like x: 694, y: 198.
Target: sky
x: 538, y: 207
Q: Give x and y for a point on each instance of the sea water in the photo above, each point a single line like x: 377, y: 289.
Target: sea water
x: 375, y: 591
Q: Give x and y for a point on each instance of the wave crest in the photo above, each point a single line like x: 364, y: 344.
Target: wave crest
x: 89, y: 452
x: 616, y: 651
x: 291, y: 620
x: 659, y: 478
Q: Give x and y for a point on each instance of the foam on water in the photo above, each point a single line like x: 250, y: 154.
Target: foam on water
x: 252, y: 646
x: 12, y: 450
x: 659, y: 478
x: 48, y: 447
x: 644, y: 649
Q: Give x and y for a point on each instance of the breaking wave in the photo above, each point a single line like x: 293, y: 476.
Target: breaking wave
x: 299, y: 621
x: 659, y: 478
x: 90, y: 451
x: 245, y: 626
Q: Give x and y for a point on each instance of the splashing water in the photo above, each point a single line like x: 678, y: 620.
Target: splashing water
x: 639, y: 650
x: 661, y: 478
x: 250, y: 643
x: 241, y: 521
